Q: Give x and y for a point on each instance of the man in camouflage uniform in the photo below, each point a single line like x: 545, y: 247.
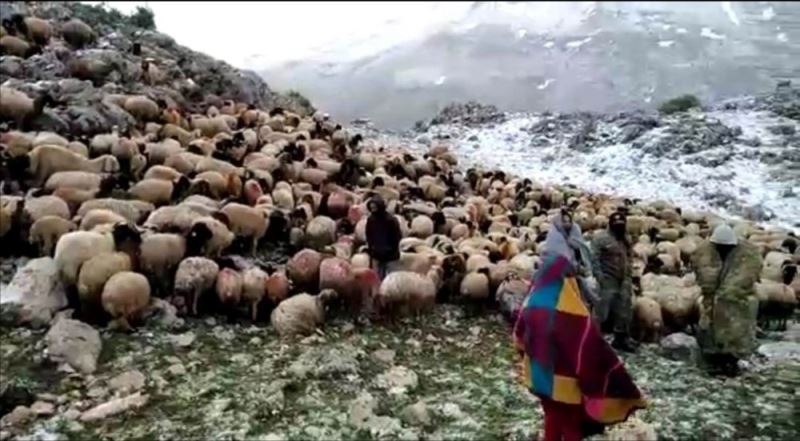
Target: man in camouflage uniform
x: 727, y: 268
x: 614, y: 273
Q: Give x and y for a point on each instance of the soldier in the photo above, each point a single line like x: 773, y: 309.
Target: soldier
x: 614, y: 274
x: 727, y: 268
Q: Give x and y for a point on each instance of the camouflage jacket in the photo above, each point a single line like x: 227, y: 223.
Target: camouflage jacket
x: 729, y: 309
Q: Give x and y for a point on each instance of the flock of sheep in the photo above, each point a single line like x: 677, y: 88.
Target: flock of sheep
x: 168, y: 209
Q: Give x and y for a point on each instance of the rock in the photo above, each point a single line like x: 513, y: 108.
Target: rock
x: 398, y: 380
x: 361, y: 409
x: 680, y: 347
x: 183, y: 340
x: 792, y: 333
x: 13, y: 394
x: 72, y: 414
x: 34, y: 294
x: 325, y: 362
x: 633, y: 429
x: 384, y: 356
x: 255, y: 341
x: 470, y: 114
x: 164, y: 314
x: 18, y: 417
x: 74, y: 343
x: 176, y: 370
x: 97, y: 392
x: 43, y: 408
x: 274, y: 394
x: 223, y: 334
x: 417, y: 414
x: 780, y: 351
x: 127, y: 382
x: 114, y: 407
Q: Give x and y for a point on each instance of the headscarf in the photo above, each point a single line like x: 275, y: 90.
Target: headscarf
x: 569, y: 244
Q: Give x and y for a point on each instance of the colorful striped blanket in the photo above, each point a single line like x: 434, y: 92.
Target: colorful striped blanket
x: 566, y: 358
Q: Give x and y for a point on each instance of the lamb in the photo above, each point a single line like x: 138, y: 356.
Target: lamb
x: 402, y: 290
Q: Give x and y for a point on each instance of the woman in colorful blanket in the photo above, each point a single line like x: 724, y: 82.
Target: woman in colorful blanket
x: 581, y: 383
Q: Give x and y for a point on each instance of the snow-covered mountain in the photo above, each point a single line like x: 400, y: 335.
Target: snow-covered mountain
x: 521, y: 56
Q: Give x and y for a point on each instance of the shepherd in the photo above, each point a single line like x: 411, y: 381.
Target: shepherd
x: 582, y: 384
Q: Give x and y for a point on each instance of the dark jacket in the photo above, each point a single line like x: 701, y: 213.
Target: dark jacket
x: 383, y: 233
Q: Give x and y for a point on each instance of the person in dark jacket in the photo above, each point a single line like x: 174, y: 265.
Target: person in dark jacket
x: 383, y: 236
x: 614, y: 273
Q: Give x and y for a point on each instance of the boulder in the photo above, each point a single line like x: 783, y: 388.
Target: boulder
x: 34, y: 294
x: 398, y: 380
x: 163, y: 314
x: 74, y: 343
x: 417, y: 414
x: 114, y: 407
x: 127, y: 382
x: 326, y: 362
x: 680, y: 347
x: 780, y: 351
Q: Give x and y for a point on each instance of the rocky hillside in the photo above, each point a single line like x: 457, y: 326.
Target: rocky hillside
x: 740, y: 157
x: 78, y: 80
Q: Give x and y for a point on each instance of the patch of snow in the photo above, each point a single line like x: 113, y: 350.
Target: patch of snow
x: 768, y: 13
x: 782, y: 37
x: 439, y: 81
x: 546, y: 83
x: 521, y: 33
x: 578, y: 43
x: 681, y: 31
x: 728, y: 8
x: 666, y: 43
x: 708, y: 33
x: 624, y: 170
x: 549, y: 44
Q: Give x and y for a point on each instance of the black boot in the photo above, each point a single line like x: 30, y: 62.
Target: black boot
x: 623, y: 343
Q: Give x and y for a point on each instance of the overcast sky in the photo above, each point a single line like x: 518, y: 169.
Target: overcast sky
x: 283, y: 31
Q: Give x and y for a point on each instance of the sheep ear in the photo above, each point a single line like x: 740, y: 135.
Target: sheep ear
x: 222, y: 217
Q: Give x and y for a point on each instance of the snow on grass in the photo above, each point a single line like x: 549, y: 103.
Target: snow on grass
x: 243, y: 382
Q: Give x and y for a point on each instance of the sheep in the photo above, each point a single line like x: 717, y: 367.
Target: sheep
x: 46, y: 160
x: 102, y: 143
x: 11, y: 45
x: 214, y: 235
x: 773, y: 263
x: 278, y: 287
x: 301, y: 314
x: 776, y: 302
x: 254, y: 288
x: 648, y: 323
x: 160, y: 254
x: 125, y: 297
x: 335, y: 273
x: 304, y: 268
x: 76, y: 247
x: 421, y: 227
x: 133, y: 211
x: 511, y: 294
x: 229, y: 287
x: 195, y: 276
x: 475, y: 285
x: 99, y: 216
x: 209, y: 126
x: 94, y: 274
x: 77, y: 179
x: 142, y: 108
x: 34, y: 29
x: 184, y: 137
x: 246, y: 222
x: 159, y: 192
x: 18, y: 107
x: 46, y: 231
x: 405, y: 290
x: 77, y: 33
x: 320, y: 232
x: 49, y: 205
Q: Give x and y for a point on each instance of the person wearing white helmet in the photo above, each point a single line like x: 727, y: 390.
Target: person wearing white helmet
x: 727, y: 267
